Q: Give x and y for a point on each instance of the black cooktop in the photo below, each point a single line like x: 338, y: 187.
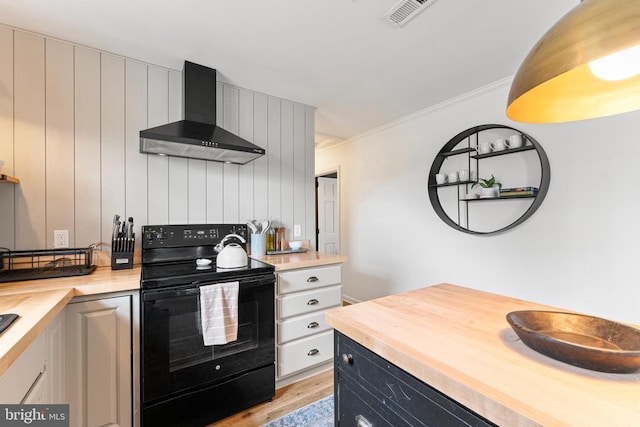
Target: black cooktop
x: 187, y: 272
x: 169, y: 254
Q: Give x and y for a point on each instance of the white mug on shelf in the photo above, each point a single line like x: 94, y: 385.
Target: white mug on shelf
x: 499, y: 144
x: 463, y: 175
x: 452, y: 177
x: 484, y: 147
x: 441, y: 178
x: 515, y: 141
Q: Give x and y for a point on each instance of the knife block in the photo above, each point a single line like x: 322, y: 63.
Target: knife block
x: 122, y: 256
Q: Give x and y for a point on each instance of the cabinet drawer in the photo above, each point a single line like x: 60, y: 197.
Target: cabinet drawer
x: 306, y: 302
x: 309, y: 278
x: 25, y: 371
x: 304, y: 353
x: 301, y: 326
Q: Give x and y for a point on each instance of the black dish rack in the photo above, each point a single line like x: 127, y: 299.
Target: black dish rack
x: 45, y: 264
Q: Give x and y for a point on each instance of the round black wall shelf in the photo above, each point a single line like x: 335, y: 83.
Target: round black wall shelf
x: 466, y: 144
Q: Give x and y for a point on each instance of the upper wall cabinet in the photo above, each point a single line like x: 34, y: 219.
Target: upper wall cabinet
x: 512, y: 165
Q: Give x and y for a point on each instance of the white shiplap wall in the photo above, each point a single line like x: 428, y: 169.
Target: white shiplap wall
x: 69, y: 123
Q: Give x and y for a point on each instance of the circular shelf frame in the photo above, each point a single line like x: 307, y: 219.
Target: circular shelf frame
x: 449, y: 150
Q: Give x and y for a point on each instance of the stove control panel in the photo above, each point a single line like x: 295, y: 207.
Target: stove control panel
x: 173, y: 236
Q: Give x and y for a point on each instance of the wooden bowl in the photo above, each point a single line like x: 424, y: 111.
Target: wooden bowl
x: 579, y: 340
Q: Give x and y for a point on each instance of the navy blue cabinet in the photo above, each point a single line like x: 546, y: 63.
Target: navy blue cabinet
x: 370, y: 391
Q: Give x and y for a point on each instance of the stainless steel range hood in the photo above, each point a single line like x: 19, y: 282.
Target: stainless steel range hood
x: 197, y: 136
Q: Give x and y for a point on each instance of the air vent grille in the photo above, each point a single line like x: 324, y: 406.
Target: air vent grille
x: 402, y: 12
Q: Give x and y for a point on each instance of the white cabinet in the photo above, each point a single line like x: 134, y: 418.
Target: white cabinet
x: 99, y: 361
x: 304, y: 340
x: 36, y: 376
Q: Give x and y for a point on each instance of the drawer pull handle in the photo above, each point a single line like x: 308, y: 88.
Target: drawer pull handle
x: 361, y: 421
x: 313, y: 325
x: 312, y: 302
x: 347, y: 359
x: 312, y: 279
x: 313, y: 352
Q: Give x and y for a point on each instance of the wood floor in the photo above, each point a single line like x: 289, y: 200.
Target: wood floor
x: 288, y: 398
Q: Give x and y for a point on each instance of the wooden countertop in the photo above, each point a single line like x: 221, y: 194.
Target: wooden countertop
x: 102, y: 280
x: 458, y: 341
x: 300, y: 260
x: 38, y: 302
x: 36, y: 311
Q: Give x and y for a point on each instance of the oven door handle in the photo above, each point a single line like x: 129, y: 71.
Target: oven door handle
x: 174, y: 293
x: 194, y: 287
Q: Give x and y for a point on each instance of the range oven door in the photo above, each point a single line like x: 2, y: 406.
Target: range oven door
x: 174, y: 357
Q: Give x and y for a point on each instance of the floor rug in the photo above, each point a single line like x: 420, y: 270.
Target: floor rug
x: 316, y: 414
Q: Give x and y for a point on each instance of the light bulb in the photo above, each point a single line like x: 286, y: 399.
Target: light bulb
x: 618, y: 66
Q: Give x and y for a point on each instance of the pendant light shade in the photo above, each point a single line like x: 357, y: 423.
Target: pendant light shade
x: 555, y: 83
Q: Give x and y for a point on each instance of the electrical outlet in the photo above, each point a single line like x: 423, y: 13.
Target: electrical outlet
x: 60, y: 239
x: 297, y: 231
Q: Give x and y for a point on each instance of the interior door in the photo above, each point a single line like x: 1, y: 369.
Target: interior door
x: 328, y: 215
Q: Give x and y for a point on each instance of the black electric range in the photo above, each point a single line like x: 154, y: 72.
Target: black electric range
x: 183, y: 381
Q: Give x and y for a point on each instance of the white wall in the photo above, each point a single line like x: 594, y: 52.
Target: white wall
x: 70, y: 118
x: 579, y: 251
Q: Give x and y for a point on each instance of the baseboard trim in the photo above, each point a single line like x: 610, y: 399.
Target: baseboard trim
x: 350, y: 300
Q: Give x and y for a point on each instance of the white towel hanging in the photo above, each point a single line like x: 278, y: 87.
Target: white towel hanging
x: 219, y: 313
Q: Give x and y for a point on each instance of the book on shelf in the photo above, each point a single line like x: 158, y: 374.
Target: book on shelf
x: 512, y: 189
x: 518, y: 193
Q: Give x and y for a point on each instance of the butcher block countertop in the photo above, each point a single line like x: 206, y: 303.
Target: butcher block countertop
x: 36, y: 311
x: 38, y: 302
x: 102, y: 280
x: 300, y: 260
x: 458, y: 341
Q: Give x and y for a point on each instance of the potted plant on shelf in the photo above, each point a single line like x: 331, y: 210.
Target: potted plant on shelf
x: 489, y: 187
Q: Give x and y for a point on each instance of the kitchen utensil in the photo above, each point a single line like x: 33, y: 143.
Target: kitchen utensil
x: 585, y: 341
x: 264, y: 227
x: 252, y: 227
x: 202, y: 262
x: 258, y: 244
x: 122, y: 243
x: 231, y: 255
x: 116, y: 226
x: 6, y: 320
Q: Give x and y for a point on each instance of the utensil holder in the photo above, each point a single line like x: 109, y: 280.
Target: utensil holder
x: 122, y: 252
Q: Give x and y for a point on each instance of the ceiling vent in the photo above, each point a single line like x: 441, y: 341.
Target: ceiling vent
x: 402, y: 12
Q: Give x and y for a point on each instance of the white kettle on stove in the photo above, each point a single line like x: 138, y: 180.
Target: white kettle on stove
x: 231, y: 255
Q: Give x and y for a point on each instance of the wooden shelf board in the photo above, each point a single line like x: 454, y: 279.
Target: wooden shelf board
x: 8, y: 179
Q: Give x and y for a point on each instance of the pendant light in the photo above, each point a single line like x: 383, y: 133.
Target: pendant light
x: 586, y: 66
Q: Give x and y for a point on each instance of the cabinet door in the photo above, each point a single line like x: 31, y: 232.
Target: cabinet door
x: 56, y: 360
x: 25, y: 372
x: 98, y: 363
x: 39, y: 393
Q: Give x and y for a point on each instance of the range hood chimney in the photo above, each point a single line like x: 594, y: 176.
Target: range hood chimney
x: 197, y: 136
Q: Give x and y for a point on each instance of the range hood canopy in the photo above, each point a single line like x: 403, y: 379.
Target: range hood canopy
x: 197, y: 136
